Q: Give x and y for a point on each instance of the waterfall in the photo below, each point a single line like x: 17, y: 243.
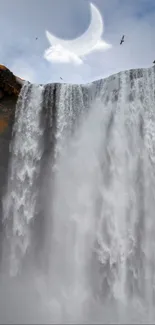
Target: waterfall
x: 82, y: 167
x: 26, y: 149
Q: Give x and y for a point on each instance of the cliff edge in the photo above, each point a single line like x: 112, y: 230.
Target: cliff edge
x: 10, y: 87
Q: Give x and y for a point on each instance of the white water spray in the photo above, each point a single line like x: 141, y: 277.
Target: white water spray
x: 101, y: 223
x: 20, y: 200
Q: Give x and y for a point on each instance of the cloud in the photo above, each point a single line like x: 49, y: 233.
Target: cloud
x: 58, y: 54
x: 71, y: 67
x: 101, y: 46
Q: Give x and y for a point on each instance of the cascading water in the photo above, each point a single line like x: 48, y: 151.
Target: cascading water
x: 20, y: 200
x: 99, y: 201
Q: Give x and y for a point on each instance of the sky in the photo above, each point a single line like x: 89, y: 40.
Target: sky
x: 21, y: 21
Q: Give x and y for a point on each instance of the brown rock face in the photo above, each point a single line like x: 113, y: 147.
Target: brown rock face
x: 7, y: 110
x: 8, y: 82
x: 9, y: 91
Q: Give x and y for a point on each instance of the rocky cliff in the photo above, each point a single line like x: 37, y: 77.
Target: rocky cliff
x: 9, y: 91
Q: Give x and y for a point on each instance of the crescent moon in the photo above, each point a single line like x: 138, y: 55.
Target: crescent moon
x: 87, y: 41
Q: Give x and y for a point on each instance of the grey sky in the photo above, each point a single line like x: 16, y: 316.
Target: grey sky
x: 22, y: 21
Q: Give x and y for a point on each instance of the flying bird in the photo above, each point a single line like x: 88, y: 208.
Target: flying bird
x: 61, y: 78
x: 122, y: 40
x: 36, y: 38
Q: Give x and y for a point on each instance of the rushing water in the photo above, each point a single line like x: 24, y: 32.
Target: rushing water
x: 79, y: 223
